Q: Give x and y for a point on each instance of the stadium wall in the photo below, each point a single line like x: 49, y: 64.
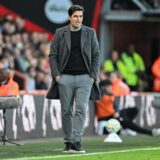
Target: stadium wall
x: 39, y: 117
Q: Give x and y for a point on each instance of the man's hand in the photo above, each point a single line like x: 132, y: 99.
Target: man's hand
x: 92, y: 79
x: 116, y: 115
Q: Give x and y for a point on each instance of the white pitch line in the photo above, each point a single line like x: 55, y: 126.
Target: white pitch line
x: 86, y: 154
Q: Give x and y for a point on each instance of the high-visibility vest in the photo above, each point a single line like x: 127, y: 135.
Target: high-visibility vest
x: 130, y: 78
x: 139, y: 63
x: 109, y: 67
x: 133, y: 65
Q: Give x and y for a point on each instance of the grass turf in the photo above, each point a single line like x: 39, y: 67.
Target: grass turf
x: 52, y: 149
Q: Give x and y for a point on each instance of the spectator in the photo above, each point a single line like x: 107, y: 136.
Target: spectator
x: 31, y: 82
x: 20, y: 25
x: 41, y: 80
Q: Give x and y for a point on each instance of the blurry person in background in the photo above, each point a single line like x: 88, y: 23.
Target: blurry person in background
x: 7, y: 58
x: 30, y: 77
x: 135, y: 68
x: 156, y: 73
x: 119, y: 88
x: 115, y: 64
x: 42, y: 80
x: 20, y: 25
x: 8, y: 87
x: 74, y: 61
x: 102, y: 74
x: 107, y: 108
x: 138, y: 60
x: 9, y: 28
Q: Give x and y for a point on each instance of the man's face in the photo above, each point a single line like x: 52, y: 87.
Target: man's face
x: 108, y: 88
x: 76, y: 19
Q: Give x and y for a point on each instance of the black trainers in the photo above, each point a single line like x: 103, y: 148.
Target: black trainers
x: 76, y: 148
x: 67, y: 149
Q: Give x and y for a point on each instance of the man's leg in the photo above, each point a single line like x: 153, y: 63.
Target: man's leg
x: 66, y: 90
x: 129, y: 114
x: 83, y: 84
x: 134, y: 127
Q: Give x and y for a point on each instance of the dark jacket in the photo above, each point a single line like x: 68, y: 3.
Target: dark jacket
x: 59, y: 54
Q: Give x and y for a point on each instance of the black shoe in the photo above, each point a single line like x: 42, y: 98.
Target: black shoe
x: 76, y: 148
x: 67, y: 149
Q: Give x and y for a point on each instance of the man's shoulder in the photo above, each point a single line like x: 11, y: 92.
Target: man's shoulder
x: 89, y: 29
x: 61, y: 29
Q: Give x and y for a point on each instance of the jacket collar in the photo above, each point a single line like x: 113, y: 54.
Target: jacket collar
x: 68, y: 36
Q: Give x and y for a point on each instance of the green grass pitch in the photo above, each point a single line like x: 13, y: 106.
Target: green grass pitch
x: 133, y: 148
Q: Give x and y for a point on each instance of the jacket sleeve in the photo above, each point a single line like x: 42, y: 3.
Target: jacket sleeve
x: 95, y: 57
x: 53, y: 55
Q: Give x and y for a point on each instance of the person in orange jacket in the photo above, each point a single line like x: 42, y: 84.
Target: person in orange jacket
x: 156, y: 73
x: 8, y: 87
x: 107, y: 108
x: 119, y: 88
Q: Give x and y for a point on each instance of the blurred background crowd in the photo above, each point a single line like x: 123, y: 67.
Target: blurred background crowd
x: 125, y: 56
x: 26, y: 53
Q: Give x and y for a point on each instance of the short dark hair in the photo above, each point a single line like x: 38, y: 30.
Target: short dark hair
x: 74, y: 8
x: 106, y: 83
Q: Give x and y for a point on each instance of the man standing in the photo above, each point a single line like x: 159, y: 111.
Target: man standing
x: 74, y: 61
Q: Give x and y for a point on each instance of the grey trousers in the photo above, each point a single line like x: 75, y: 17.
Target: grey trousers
x: 74, y: 88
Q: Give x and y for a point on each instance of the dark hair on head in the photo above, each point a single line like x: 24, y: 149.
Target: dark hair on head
x: 74, y: 8
x: 106, y: 82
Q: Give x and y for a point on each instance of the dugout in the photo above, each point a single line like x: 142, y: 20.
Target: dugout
x: 135, y: 21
